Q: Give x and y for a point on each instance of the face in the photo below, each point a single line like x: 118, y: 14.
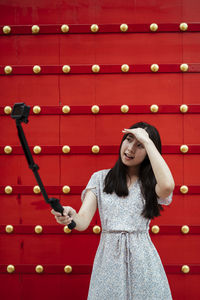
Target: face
x: 132, y: 152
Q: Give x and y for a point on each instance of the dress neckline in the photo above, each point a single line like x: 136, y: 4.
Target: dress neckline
x: 133, y: 184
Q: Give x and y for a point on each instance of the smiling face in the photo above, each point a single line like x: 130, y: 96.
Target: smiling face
x: 132, y: 152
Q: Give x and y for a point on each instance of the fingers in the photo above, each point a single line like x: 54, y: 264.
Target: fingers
x: 55, y: 213
x: 65, y: 220
x: 66, y: 217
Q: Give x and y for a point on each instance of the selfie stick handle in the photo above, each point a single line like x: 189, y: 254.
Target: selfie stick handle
x: 55, y: 203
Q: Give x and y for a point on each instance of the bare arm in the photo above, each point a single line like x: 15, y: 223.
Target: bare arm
x: 83, y: 217
x: 165, y: 182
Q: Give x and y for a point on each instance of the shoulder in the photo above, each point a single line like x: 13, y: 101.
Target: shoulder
x: 100, y: 174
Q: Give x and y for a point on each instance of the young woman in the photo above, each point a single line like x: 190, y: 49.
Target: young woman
x: 127, y: 265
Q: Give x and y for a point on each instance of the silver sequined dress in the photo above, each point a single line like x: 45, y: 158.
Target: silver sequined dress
x: 127, y: 265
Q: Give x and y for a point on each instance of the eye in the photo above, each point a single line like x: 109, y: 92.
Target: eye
x: 129, y: 139
x: 140, y: 146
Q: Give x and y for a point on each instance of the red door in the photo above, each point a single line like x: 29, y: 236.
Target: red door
x: 65, y: 71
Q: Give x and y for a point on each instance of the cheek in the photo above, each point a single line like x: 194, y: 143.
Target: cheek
x: 142, y: 154
x: 123, y: 146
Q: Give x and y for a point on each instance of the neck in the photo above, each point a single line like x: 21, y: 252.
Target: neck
x: 133, y: 172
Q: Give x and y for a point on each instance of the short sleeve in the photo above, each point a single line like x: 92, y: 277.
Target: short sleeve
x: 165, y: 201
x: 92, y: 185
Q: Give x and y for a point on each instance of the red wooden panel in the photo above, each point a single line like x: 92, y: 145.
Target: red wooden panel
x: 29, y: 50
x: 191, y: 169
x: 86, y: 164
x: 19, y: 12
x: 77, y: 49
x: 191, y: 88
x: 38, y: 131
x: 106, y: 136
x: 17, y: 170
x: 48, y: 286
x: 191, y: 46
x: 184, y: 286
x: 10, y: 281
x: 11, y: 209
x: 130, y: 89
x: 180, y: 249
x: 32, y: 90
x: 190, y: 10
x: 77, y: 130
x: 122, y: 88
x: 121, y: 12
x: 191, y: 129
x: 138, y: 48
x: 85, y: 93
x: 191, y: 206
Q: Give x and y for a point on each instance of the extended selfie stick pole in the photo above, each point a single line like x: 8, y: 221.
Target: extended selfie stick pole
x: 20, y: 113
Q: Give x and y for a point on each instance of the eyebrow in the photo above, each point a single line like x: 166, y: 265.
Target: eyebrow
x: 131, y: 136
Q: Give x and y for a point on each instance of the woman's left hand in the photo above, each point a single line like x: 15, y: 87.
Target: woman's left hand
x: 139, y: 133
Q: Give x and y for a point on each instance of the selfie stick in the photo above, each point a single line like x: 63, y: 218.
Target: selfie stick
x: 20, y: 113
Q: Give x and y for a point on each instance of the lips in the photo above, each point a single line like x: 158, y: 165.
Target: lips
x: 128, y: 156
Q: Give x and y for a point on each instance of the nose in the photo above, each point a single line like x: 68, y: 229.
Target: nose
x: 132, y: 147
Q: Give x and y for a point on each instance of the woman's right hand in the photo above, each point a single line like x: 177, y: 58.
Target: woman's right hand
x: 68, y: 215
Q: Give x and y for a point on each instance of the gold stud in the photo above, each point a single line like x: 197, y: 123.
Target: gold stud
x: 183, y: 26
x: 183, y: 108
x: 66, y: 189
x: 95, y: 149
x: 66, y: 69
x: 36, y: 109
x: 36, y: 189
x: 7, y: 110
x: 185, y: 229
x: 39, y: 269
x: 68, y: 269
x: 37, y: 149
x: 124, y: 109
x: 184, y: 67
x: 7, y: 149
x: 95, y: 109
x: 95, y: 68
x: 6, y: 29
x: 36, y: 69
x: 9, y: 228
x: 96, y: 229
x: 185, y: 269
x: 94, y: 28
x: 123, y: 27
x: 184, y: 148
x: 38, y: 229
x: 35, y: 29
x: 184, y: 189
x: 10, y: 268
x: 155, y: 229
x: 153, y: 27
x: 67, y: 230
x: 125, y: 68
x: 8, y: 189
x: 65, y: 149
x: 65, y: 28
x: 7, y: 70
x: 154, y: 108
x: 65, y: 109
x: 154, y: 68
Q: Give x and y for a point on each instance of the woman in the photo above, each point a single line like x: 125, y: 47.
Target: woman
x: 127, y: 265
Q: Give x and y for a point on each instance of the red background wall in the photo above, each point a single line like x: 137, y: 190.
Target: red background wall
x: 51, y: 89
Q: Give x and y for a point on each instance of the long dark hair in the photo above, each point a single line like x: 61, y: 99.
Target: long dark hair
x: 116, y: 179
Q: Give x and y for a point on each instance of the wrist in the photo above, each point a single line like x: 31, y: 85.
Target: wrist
x: 148, y: 143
